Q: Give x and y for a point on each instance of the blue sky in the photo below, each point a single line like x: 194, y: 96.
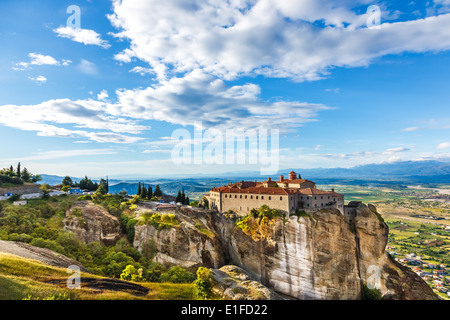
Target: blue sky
x: 106, y: 98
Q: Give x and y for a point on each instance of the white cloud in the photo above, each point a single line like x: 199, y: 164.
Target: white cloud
x: 141, y: 70
x: 85, y: 36
x: 396, y: 150
x: 71, y: 119
x: 201, y: 97
x: 88, y: 67
x: 266, y: 37
x: 37, y: 59
x: 39, y: 79
x: 443, y: 145
x: 411, y: 129
x: 103, y: 95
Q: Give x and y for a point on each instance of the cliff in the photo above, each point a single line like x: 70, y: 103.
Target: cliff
x: 91, y: 222
x: 319, y: 255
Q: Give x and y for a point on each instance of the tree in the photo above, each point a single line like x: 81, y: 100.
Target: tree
x: 204, y: 283
x: 46, y: 189
x: 183, y: 197
x: 101, y: 189
x: 143, y: 192
x: 26, y: 175
x: 149, y: 192
x: 18, y: 170
x: 187, y: 202
x: 67, y: 181
x: 158, y: 192
x: 178, y: 199
x: 65, y: 188
x: 139, y: 189
x: 36, y: 178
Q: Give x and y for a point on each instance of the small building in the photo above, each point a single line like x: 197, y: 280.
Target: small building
x: 20, y: 203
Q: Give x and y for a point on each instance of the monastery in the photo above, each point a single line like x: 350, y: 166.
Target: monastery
x: 287, y: 195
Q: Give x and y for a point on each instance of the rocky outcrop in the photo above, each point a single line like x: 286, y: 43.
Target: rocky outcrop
x: 44, y: 255
x: 318, y: 255
x: 234, y: 283
x: 191, y: 243
x: 91, y: 222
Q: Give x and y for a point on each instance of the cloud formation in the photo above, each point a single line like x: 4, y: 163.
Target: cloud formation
x: 300, y: 40
x: 85, y: 36
x: 37, y: 59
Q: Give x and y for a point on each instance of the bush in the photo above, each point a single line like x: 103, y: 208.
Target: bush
x: 14, y: 197
x: 177, y: 274
x: 371, y: 294
x: 204, y: 283
x: 130, y: 273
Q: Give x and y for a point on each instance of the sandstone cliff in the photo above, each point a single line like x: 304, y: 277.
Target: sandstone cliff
x: 91, y: 222
x: 190, y: 244
x: 318, y: 255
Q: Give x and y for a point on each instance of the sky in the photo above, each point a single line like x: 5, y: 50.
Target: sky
x: 118, y: 87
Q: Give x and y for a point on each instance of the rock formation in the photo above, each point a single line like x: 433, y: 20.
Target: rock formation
x: 190, y: 244
x: 319, y: 255
x: 234, y: 283
x: 91, y: 222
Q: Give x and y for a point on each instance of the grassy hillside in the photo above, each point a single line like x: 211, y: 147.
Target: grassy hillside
x: 22, y: 278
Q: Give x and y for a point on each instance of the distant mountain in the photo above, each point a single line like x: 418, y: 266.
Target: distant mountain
x: 405, y: 172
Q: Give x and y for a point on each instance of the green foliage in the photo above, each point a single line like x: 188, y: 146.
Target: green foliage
x: 46, y: 189
x: 204, y: 283
x: 130, y: 273
x: 177, y: 274
x: 371, y: 294
x: 127, y: 225
x: 157, y: 193
x: 14, y: 197
x: 85, y: 197
x: 67, y: 181
x: 300, y: 213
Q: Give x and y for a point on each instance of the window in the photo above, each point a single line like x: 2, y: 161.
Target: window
x: 315, y: 198
x: 245, y: 197
x: 262, y: 197
x: 251, y: 197
x: 270, y: 198
x: 256, y: 197
x: 308, y: 204
x: 240, y: 196
x: 321, y: 197
x: 235, y: 196
x: 225, y: 196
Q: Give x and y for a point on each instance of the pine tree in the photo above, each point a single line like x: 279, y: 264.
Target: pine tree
x: 178, y: 199
x: 26, y: 176
x: 18, y: 170
x: 139, y: 189
x: 158, y: 192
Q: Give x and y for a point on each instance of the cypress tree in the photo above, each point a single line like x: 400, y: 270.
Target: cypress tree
x: 18, y: 170
x: 178, y: 199
x: 139, y: 189
x: 149, y: 192
x: 144, y: 192
x: 188, y: 202
x: 183, y: 197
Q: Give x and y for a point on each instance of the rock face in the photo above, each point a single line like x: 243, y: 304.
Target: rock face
x: 44, y: 255
x: 190, y: 244
x: 91, y: 222
x: 320, y: 255
x: 233, y: 283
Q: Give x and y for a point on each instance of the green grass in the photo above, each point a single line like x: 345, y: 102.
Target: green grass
x: 22, y: 278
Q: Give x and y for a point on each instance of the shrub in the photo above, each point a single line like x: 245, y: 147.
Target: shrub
x: 371, y: 294
x: 130, y: 273
x: 204, y: 283
x: 177, y: 274
x: 14, y: 197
